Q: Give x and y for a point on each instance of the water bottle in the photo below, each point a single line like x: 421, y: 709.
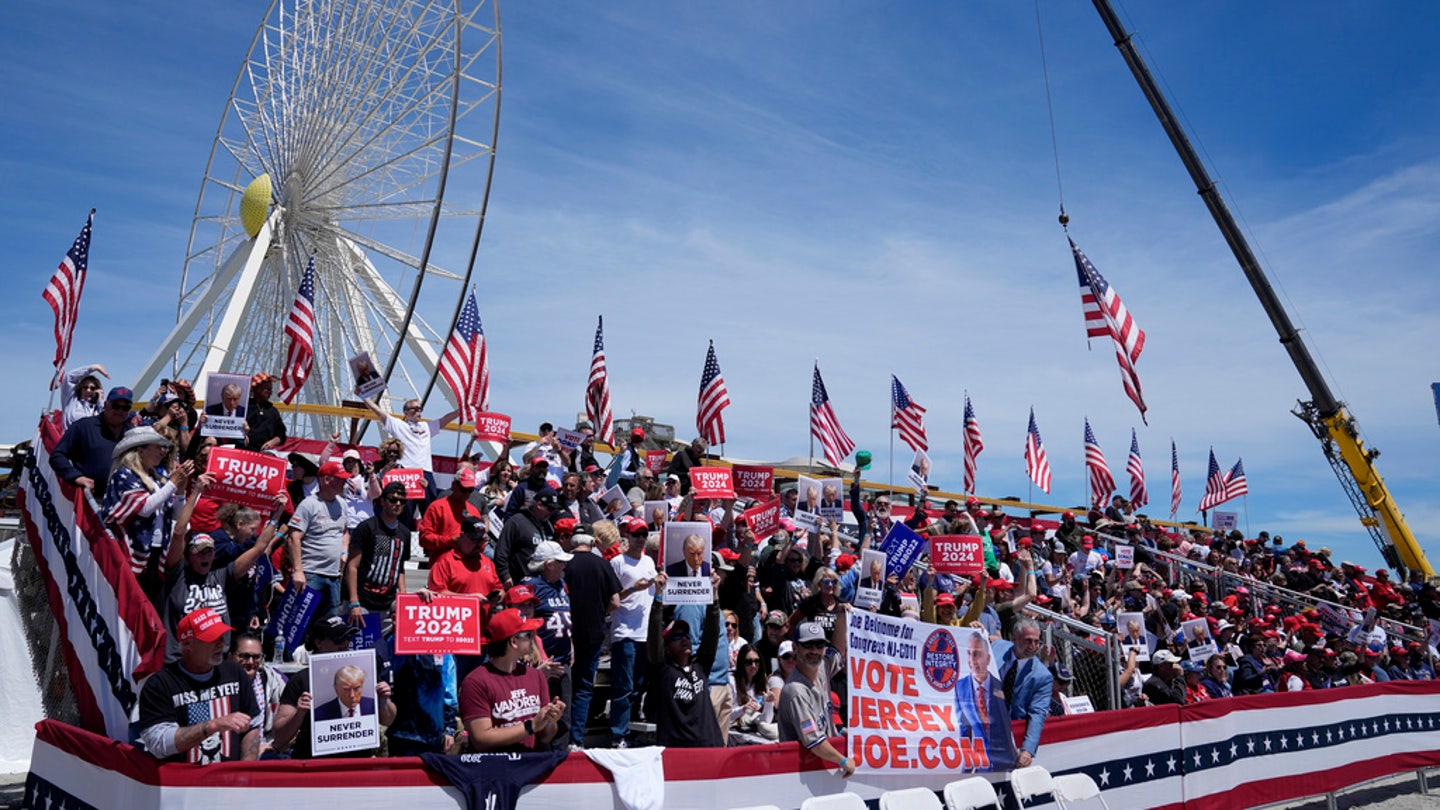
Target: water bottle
x: 279, y: 655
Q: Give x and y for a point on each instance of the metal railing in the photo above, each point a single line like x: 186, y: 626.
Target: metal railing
x: 1219, y: 583
x: 1091, y: 654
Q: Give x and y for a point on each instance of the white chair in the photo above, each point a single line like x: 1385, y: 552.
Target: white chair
x: 910, y: 799
x: 1077, y: 787
x: 835, y: 801
x: 974, y: 793
x: 1031, y: 782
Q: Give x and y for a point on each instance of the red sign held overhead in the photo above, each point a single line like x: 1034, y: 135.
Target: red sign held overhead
x: 959, y: 554
x: 655, y: 461
x: 244, y: 477
x: 450, y: 623
x: 754, y: 482
x: 764, y: 519
x: 711, y: 482
x: 492, y: 427
x: 412, y: 477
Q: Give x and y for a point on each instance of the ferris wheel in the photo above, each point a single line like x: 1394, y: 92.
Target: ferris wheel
x: 360, y: 133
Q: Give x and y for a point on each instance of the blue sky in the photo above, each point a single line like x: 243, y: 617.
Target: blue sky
x: 867, y: 183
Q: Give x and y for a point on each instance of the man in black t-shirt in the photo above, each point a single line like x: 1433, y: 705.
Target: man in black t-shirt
x: 379, y: 547
x: 201, y: 708
x: 594, y: 592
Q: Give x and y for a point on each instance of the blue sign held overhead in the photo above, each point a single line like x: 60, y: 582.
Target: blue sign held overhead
x: 1435, y: 392
x: 292, y: 617
x: 902, y: 547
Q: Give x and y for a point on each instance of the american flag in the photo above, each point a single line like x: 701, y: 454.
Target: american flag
x: 1105, y: 315
x: 597, y: 390
x: 201, y: 711
x: 1215, y: 485
x: 973, y: 444
x: 1133, y: 465
x: 1174, y: 481
x: 825, y: 426
x: 300, y: 326
x: 465, y: 365
x: 908, y: 415
x: 1102, y: 483
x: 1036, y: 464
x: 1235, y: 484
x: 714, y: 398
x: 63, y: 295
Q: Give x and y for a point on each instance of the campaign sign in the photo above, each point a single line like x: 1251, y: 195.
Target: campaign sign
x: 871, y: 587
x: 711, y: 482
x: 412, y: 477
x: 656, y: 513
x: 686, y: 547
x: 244, y: 477
x: 655, y: 461
x: 919, y: 475
x: 369, y: 636
x: 1124, y: 556
x: 753, y: 482
x: 1332, y: 619
x: 569, y: 439
x: 492, y: 427
x: 368, y: 381
x: 450, y: 623
x: 764, y: 519
x: 292, y: 616
x: 959, y: 554
x: 1199, y: 643
x: 1077, y: 704
x: 902, y: 547
x: 915, y: 694
x: 1225, y: 521
x: 226, y: 398
x: 342, y: 695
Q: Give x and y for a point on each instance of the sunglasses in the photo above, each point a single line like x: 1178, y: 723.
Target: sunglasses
x: 409, y: 408
x: 248, y: 656
x: 395, y: 500
x: 810, y: 645
x: 749, y: 661
x: 119, y: 405
x: 731, y: 624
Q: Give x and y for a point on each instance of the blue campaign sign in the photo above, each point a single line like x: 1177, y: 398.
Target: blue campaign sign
x: 292, y: 617
x: 369, y: 635
x: 902, y: 547
x: 1435, y: 392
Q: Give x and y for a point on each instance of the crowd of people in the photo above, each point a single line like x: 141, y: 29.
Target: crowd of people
x: 566, y: 583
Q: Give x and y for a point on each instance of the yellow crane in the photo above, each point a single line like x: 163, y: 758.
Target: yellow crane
x: 1327, y: 417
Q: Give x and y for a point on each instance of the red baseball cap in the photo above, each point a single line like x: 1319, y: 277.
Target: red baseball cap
x: 508, y: 622
x: 730, y: 555
x: 945, y: 599
x: 203, y: 624
x: 335, y: 470
x: 635, y: 525
x: 520, y: 595
x: 566, y: 525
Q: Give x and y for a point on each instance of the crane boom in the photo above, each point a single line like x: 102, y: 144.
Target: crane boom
x: 1326, y: 416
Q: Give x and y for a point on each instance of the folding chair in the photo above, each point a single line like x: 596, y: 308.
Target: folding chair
x: 835, y: 801
x: 974, y: 793
x: 910, y: 799
x: 1031, y: 782
x: 1077, y: 787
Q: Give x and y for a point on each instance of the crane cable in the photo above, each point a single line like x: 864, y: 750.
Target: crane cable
x: 1050, y: 109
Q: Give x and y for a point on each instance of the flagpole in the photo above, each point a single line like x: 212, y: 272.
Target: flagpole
x: 1245, y: 499
x: 892, y: 443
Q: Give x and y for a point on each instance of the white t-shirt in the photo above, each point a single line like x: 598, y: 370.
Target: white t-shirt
x: 415, y: 438
x: 631, y: 620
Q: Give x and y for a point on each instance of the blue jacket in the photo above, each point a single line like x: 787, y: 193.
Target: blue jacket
x: 84, y: 451
x: 694, y: 615
x: 1030, y: 700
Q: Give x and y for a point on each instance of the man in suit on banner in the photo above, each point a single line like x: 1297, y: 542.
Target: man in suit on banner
x: 980, y: 706
x: 694, y: 564
x: 229, y: 404
x: 350, y: 699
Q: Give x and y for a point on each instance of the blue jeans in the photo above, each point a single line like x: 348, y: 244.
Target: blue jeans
x: 582, y: 674
x: 627, y: 683
x: 329, y: 588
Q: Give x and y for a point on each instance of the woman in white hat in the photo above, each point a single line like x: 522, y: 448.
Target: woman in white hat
x: 141, y: 500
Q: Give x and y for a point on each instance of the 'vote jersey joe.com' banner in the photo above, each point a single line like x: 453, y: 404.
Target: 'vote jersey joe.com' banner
x: 924, y: 698
x: 711, y: 482
x: 449, y: 623
x: 754, y: 482
x: 960, y: 554
x: 244, y: 477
